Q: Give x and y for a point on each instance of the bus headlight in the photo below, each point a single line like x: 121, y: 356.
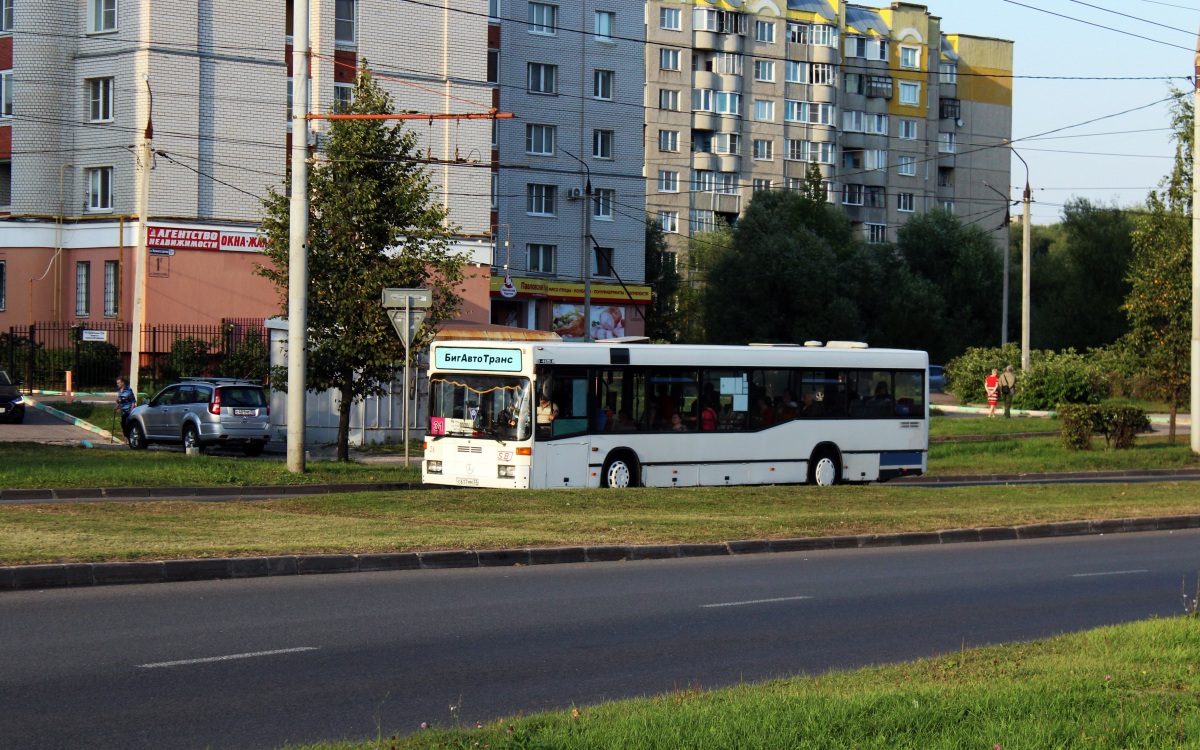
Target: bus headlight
x: 433, y: 467
x: 507, y: 472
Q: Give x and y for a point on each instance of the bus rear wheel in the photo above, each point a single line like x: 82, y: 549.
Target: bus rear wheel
x: 620, y: 471
x: 824, y: 469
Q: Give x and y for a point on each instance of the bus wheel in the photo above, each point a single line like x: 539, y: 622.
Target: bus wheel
x: 823, y: 468
x: 620, y: 471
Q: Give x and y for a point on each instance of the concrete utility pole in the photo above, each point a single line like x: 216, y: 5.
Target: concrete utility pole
x: 139, y: 254
x: 1026, y: 263
x: 298, y: 244
x: 1195, y: 426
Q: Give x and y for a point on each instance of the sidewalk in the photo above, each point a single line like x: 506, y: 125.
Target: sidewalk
x: 948, y: 405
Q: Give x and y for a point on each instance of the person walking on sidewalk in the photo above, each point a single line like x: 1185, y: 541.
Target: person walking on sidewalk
x: 1008, y: 387
x: 991, y: 384
x: 125, y: 403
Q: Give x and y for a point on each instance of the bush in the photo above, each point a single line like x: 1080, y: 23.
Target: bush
x: 250, y: 359
x: 1119, y: 424
x: 1053, y: 378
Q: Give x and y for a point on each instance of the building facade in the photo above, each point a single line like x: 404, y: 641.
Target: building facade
x: 572, y: 73
x: 900, y: 117
x: 81, y: 80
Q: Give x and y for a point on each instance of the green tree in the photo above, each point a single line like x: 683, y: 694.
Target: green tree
x: 373, y: 224
x: 1159, y: 304
x: 705, y: 250
x: 663, y: 317
x: 960, y: 261
x: 1080, y: 283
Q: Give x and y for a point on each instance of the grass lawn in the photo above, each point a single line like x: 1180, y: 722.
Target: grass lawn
x: 954, y: 426
x: 1129, y: 686
x: 486, y: 519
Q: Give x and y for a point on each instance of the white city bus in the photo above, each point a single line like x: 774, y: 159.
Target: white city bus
x: 554, y: 414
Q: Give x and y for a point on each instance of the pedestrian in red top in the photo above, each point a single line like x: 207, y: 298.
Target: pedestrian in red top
x: 991, y: 384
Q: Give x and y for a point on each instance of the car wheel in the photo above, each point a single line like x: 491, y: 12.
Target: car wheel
x: 620, y: 471
x: 191, y: 438
x: 824, y: 469
x: 137, y: 437
x: 252, y: 449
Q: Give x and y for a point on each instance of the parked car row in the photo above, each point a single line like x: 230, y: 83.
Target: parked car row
x: 203, y: 412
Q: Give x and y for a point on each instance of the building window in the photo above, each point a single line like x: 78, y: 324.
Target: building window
x: 668, y: 182
x: 495, y: 191
x: 670, y: 19
x: 344, y: 21
x: 948, y: 73
x: 668, y: 59
x: 852, y: 195
x: 605, y: 21
x: 876, y: 233
x: 541, y: 258
x: 949, y: 109
x: 904, y: 202
x: 539, y: 140
x: 5, y: 183
x: 103, y: 15
x: 603, y: 200
x: 720, y: 102
x: 542, y: 78
x: 795, y: 72
x: 602, y: 144
x: 543, y: 18
x: 874, y: 159
x: 718, y: 21
x: 908, y: 130
x: 111, y: 288
x: 603, y: 262
x: 6, y: 94
x: 6, y: 17
x: 100, y: 189
x: 668, y: 140
x: 83, y: 283
x: 853, y: 121
x: 810, y: 112
x: 910, y: 57
x: 668, y: 99
x: 822, y: 74
x: 877, y: 124
x: 946, y: 206
x: 947, y: 143
x: 669, y: 221
x: 540, y: 199
x: 343, y: 97
x: 764, y: 110
x: 602, y: 84
x: 908, y: 166
x: 910, y: 93
x: 945, y: 177
x: 101, y: 95
x: 764, y: 31
x: 493, y: 66
x: 761, y: 184
x: 874, y: 197
x: 764, y: 150
x: 493, y: 10
x: 764, y: 70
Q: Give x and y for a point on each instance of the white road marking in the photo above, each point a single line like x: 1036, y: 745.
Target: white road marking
x: 1112, y: 573
x: 230, y: 657
x: 756, y: 601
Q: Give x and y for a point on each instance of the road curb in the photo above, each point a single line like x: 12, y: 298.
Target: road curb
x: 200, y: 494
x: 69, y: 575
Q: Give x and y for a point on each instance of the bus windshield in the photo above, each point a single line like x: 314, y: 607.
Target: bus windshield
x: 493, y: 406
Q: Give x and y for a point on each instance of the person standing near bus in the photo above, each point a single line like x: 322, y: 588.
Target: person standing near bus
x: 547, y: 412
x: 1008, y: 387
x: 991, y: 384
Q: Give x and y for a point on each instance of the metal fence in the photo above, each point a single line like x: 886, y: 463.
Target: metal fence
x: 97, y: 352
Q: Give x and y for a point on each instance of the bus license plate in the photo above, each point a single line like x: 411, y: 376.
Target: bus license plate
x: 468, y: 481
x: 243, y: 412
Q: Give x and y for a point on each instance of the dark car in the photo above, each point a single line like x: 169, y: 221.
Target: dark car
x: 203, y: 412
x: 12, y: 404
x: 937, y: 379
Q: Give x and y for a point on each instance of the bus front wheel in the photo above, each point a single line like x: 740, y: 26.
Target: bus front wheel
x: 824, y: 469
x: 620, y: 471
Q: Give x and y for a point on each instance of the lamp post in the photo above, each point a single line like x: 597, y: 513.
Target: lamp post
x: 585, y: 269
x: 1007, y: 263
x: 1026, y: 271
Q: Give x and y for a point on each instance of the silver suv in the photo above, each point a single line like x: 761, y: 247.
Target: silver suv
x: 203, y: 412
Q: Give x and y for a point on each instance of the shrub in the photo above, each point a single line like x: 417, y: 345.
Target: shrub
x: 1119, y: 425
x: 1079, y: 421
x: 1053, y: 378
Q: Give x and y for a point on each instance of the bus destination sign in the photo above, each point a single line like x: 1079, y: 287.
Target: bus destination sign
x: 488, y: 360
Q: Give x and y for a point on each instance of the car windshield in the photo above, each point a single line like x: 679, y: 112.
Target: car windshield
x: 243, y: 396
x: 479, y: 405
x: 4, y: 379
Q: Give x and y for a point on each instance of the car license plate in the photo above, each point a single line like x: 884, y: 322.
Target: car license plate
x: 3, y: 409
x: 243, y: 412
x: 468, y: 481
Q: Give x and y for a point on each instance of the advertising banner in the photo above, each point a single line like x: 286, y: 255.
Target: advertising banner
x: 608, y: 322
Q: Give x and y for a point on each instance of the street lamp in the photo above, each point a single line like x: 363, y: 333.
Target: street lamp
x: 1007, y: 263
x: 1026, y: 271
x: 585, y: 269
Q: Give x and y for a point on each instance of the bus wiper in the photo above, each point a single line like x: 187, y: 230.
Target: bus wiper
x: 493, y: 433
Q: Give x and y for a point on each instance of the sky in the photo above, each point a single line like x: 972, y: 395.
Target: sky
x: 1113, y: 161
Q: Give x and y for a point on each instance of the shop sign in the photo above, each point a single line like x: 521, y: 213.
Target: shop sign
x: 175, y: 238
x: 573, y: 290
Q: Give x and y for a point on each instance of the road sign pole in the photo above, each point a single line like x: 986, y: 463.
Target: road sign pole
x: 407, y: 359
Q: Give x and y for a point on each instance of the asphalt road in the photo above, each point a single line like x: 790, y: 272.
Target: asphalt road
x: 255, y: 663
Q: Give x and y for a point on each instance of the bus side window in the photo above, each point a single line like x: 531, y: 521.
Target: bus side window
x: 910, y: 394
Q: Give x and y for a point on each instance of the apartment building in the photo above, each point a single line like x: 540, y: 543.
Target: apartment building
x: 572, y: 74
x: 900, y: 117
x: 81, y: 79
